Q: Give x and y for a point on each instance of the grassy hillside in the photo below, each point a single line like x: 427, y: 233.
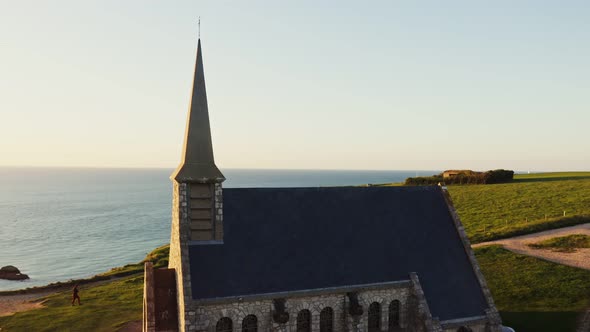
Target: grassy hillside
x: 534, y: 295
x: 533, y: 202
x: 106, y: 305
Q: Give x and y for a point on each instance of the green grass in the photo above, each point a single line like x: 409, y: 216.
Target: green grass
x: 552, y: 176
x: 105, y: 307
x: 564, y: 243
x: 532, y: 203
x: 534, y: 295
x: 159, y: 257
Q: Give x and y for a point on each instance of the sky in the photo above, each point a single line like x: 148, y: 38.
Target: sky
x: 384, y: 85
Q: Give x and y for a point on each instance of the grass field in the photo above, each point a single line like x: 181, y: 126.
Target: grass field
x: 158, y: 256
x: 533, y: 202
x: 105, y: 306
x: 564, y: 243
x: 534, y: 295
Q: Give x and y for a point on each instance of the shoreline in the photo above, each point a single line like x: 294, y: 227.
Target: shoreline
x: 61, y: 285
x: 158, y: 256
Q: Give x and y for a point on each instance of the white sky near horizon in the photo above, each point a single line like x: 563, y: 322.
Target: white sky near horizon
x: 302, y: 84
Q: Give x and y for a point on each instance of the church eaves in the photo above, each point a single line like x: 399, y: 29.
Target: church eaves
x: 197, y: 163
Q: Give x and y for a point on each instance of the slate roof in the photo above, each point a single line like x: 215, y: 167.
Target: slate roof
x: 288, y: 239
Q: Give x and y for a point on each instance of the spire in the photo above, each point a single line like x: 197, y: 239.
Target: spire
x: 197, y: 163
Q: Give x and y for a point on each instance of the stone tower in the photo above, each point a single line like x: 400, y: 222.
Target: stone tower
x: 197, y: 215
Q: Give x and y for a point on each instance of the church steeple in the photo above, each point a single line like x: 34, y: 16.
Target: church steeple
x: 197, y: 164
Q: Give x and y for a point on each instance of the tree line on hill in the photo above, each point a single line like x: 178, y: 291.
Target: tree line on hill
x: 462, y: 177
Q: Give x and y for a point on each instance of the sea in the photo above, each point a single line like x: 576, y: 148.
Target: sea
x: 58, y: 224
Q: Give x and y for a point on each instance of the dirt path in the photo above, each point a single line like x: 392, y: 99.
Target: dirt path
x: 580, y: 258
x: 10, y: 304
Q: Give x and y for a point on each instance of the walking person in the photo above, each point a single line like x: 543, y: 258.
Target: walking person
x: 75, y: 295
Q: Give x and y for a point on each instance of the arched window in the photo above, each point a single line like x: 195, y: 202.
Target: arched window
x: 304, y: 321
x: 393, y: 315
x: 250, y: 324
x: 224, y: 325
x: 464, y: 329
x: 374, y: 317
x: 327, y: 320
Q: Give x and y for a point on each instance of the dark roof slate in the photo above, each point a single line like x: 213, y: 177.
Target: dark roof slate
x: 288, y: 239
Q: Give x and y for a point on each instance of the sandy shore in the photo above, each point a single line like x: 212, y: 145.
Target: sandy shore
x: 580, y: 258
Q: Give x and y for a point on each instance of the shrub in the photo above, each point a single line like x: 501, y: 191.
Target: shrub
x: 424, y: 180
x: 465, y: 177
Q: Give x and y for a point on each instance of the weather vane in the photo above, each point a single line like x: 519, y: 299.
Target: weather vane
x: 199, y: 27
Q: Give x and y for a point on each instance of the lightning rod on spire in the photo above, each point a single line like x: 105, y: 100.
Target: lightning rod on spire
x: 199, y: 27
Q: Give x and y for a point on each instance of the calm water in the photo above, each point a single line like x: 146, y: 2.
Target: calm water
x: 58, y: 224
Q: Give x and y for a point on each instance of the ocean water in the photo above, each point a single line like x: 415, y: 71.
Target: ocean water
x: 58, y: 224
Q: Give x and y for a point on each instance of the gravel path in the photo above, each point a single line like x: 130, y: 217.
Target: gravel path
x: 10, y: 304
x: 580, y: 258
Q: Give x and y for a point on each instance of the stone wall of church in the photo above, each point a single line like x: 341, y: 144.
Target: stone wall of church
x: 179, y: 258
x: 204, y: 317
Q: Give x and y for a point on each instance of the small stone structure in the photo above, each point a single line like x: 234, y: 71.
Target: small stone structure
x: 453, y: 173
x: 160, y: 310
x: 313, y: 259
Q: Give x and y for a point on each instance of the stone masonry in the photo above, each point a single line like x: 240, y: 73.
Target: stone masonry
x: 414, y: 314
x: 203, y: 317
x: 179, y: 241
x: 179, y: 259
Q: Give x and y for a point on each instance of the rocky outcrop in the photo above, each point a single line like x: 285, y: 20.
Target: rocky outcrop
x: 10, y: 272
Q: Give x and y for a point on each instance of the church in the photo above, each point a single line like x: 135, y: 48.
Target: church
x: 316, y: 259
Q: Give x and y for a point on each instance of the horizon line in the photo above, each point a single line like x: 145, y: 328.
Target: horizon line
x: 265, y: 168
